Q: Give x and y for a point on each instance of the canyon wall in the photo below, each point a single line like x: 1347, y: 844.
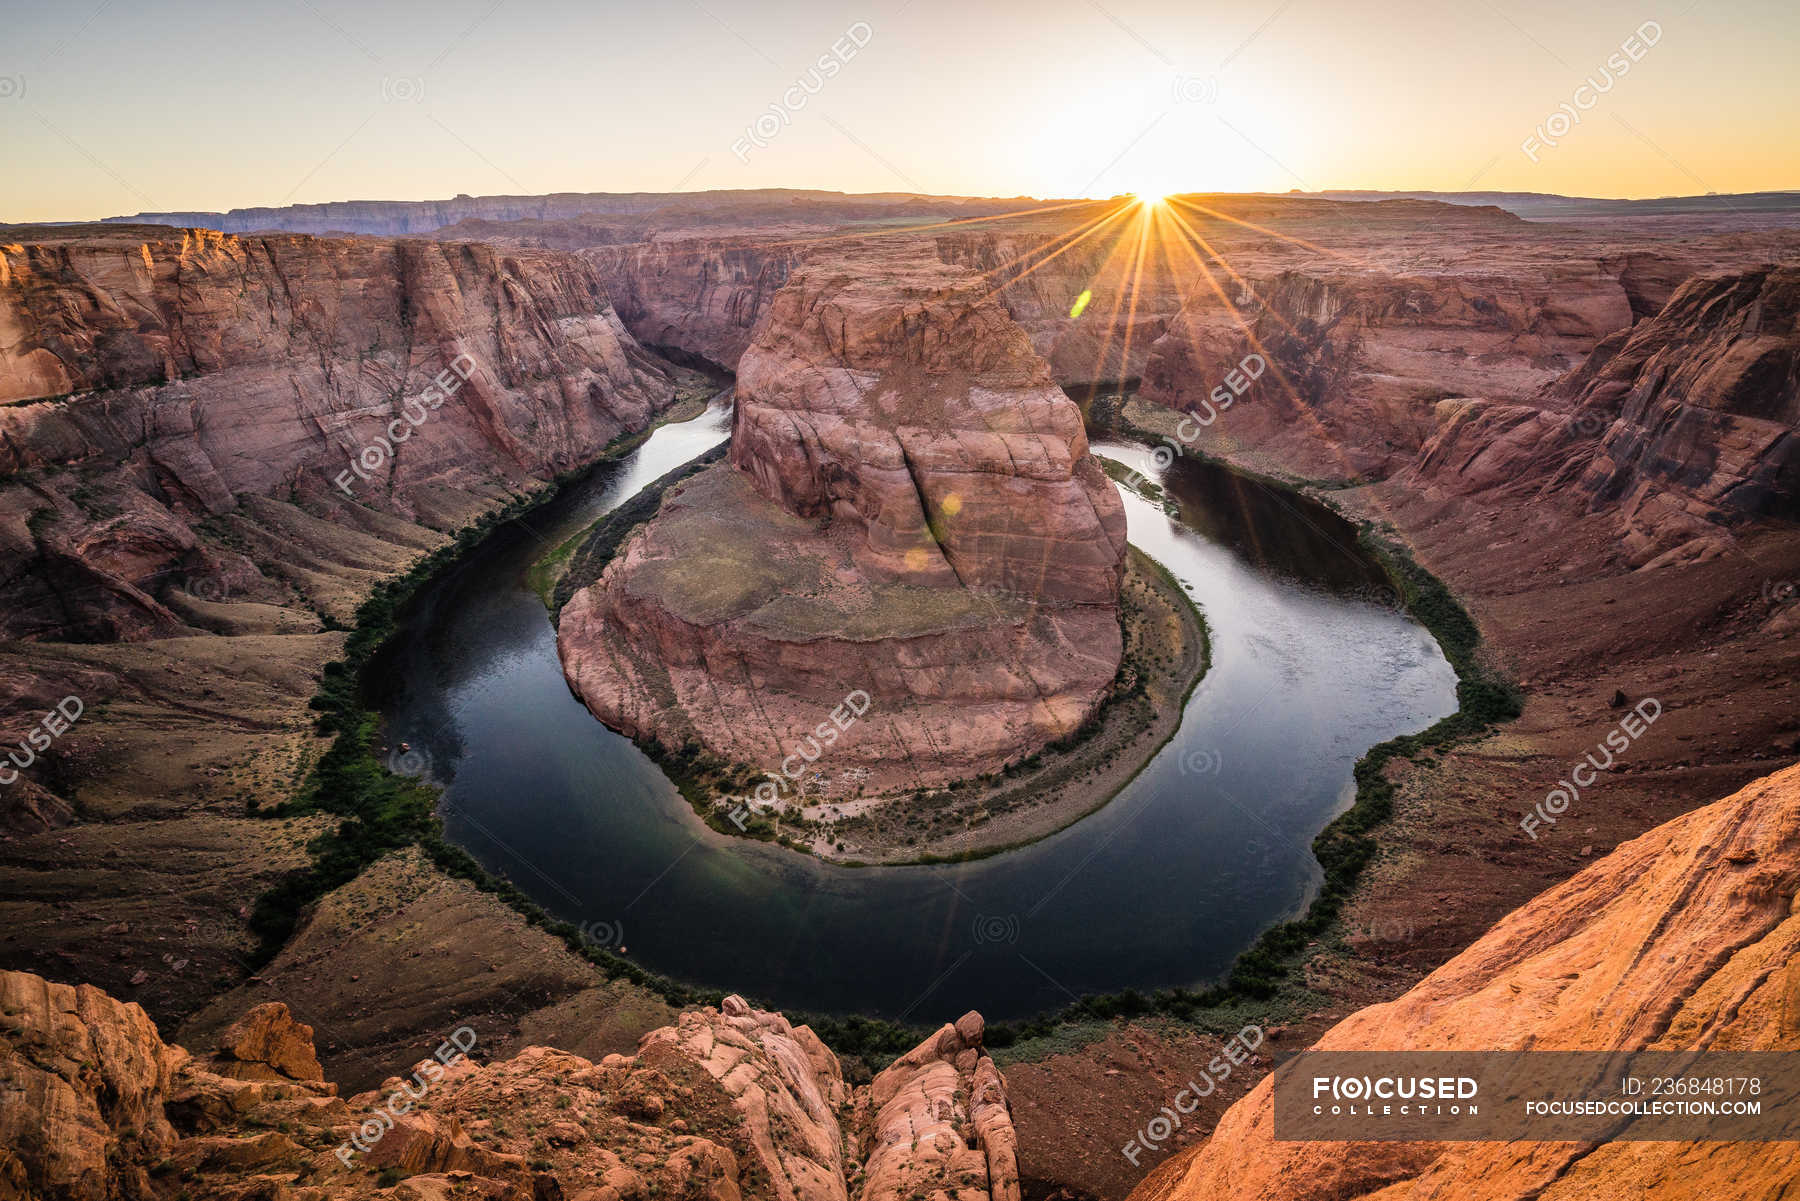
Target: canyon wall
x: 1039, y: 277
x: 696, y: 296
x: 1686, y: 425
x: 1685, y: 938
x: 158, y: 384
x: 1096, y: 285
x: 728, y: 1104
x: 909, y: 511
x: 1353, y: 361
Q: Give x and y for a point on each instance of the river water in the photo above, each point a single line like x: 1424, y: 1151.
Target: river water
x: 1207, y: 847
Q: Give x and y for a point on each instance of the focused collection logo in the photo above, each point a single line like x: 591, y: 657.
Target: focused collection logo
x: 1394, y: 1096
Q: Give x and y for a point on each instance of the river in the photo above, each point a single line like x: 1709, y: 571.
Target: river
x: 1207, y: 847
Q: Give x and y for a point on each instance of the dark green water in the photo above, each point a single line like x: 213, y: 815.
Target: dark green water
x: 1164, y: 886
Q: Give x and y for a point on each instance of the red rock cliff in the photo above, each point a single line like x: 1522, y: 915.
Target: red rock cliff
x: 1684, y: 425
x: 732, y: 1104
x: 1685, y: 938
x: 175, y: 373
x: 909, y: 511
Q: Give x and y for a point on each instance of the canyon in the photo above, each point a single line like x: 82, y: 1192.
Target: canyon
x: 1683, y: 939
x: 153, y: 379
x: 1585, y: 429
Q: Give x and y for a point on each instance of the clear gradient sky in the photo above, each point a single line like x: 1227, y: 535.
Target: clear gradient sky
x: 117, y: 106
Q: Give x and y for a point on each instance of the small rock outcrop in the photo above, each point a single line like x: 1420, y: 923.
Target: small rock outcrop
x: 268, y: 1044
x: 937, y: 1123
x: 785, y: 1085
x: 734, y: 1104
x: 909, y: 512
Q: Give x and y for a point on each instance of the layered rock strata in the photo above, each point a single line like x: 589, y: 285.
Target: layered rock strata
x: 909, y: 512
x: 158, y: 385
x: 1354, y: 360
x: 1686, y: 424
x: 728, y: 1104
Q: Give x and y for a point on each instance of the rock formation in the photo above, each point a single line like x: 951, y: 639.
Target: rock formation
x: 1357, y: 357
x: 937, y: 1123
x: 1685, y: 938
x: 160, y: 383
x: 267, y: 1044
x: 697, y: 296
x: 730, y: 1104
x: 1684, y: 424
x: 909, y: 512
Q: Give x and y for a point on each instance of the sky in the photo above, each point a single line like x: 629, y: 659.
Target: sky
x: 119, y: 106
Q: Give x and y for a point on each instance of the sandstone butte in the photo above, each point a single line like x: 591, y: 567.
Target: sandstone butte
x: 909, y: 509
x: 1687, y: 938
x: 725, y: 1104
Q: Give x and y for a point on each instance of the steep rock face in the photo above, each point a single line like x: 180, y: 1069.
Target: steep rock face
x: 894, y: 394
x: 1703, y: 403
x: 698, y: 296
x: 1684, y: 425
x: 206, y: 368
x: 784, y: 1083
x: 729, y: 1104
x: 84, y: 1079
x: 1040, y: 277
x: 1685, y: 938
x: 909, y: 511
x: 1357, y: 359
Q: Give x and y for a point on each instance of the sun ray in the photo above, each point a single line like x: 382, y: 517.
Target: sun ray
x: 1112, y: 317
x: 1072, y: 239
x: 1263, y: 229
x: 1302, y: 407
x: 1145, y: 221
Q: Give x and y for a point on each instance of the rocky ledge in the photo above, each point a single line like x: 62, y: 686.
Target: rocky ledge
x: 727, y: 1104
x: 1685, y: 938
x: 910, y: 535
